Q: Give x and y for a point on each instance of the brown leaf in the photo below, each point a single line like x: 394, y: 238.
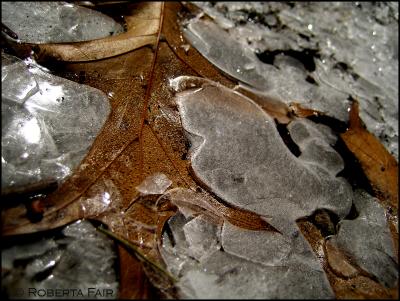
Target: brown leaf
x: 357, y: 286
x: 379, y: 165
x: 143, y: 135
x: 142, y: 25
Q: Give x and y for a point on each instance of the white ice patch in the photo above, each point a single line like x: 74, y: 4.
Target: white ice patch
x: 157, y: 183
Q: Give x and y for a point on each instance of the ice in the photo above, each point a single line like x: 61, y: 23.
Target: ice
x: 315, y: 144
x: 157, y: 183
x: 224, y: 275
x: 355, y: 48
x: 225, y: 53
x: 78, y: 257
x: 17, y: 88
x: 56, y: 22
x: 237, y: 152
x: 368, y: 241
x: 47, y: 131
x: 201, y: 237
x: 267, y: 248
x: 175, y: 248
x: 19, y: 252
x: 240, y: 141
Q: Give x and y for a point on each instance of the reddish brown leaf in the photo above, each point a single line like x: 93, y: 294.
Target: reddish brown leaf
x: 379, y: 165
x: 143, y: 135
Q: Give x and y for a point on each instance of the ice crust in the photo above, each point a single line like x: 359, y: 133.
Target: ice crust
x: 355, y: 46
x: 237, y: 152
x: 56, y: 22
x: 79, y: 257
x: 48, y: 124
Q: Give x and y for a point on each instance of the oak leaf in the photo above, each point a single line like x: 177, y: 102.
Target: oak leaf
x: 143, y: 135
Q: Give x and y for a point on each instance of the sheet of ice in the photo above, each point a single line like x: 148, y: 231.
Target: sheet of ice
x: 314, y: 141
x: 47, y: 129
x: 77, y: 258
x: 56, y: 22
x: 368, y: 241
x: 154, y: 184
x: 216, y: 45
x: 220, y: 274
x: 237, y: 152
x: 353, y: 45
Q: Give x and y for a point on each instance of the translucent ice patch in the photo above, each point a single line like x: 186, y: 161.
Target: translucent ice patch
x: 268, y: 248
x: 201, y: 237
x: 368, y: 241
x: 355, y: 49
x: 48, y: 125
x: 224, y: 52
x: 315, y: 142
x: 239, y: 154
x: 222, y: 274
x: 79, y: 258
x: 56, y: 22
x: 157, y: 183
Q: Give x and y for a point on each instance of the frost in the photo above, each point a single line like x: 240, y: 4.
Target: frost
x: 325, y: 53
x: 368, y: 241
x: 238, y: 153
x: 48, y: 124
x: 56, y: 22
x: 79, y: 257
x: 154, y: 184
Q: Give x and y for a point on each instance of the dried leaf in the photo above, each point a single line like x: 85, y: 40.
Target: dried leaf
x: 142, y: 24
x: 142, y: 136
x: 379, y: 165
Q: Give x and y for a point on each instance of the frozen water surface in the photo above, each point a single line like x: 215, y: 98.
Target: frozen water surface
x: 238, y: 153
x: 241, y: 156
x: 48, y: 124
x: 79, y: 258
x: 56, y: 22
x: 347, y: 48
